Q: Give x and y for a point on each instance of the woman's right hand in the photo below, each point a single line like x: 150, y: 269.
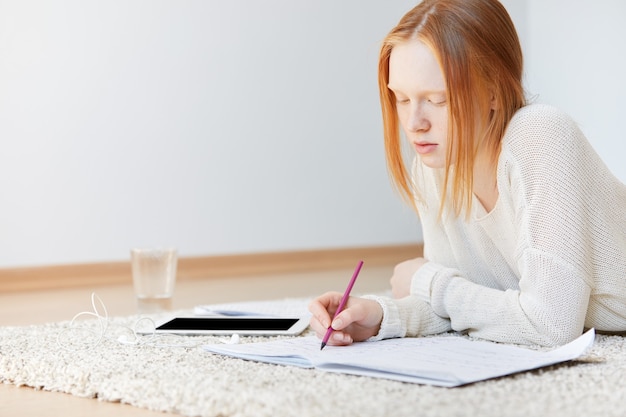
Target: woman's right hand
x: 359, y: 320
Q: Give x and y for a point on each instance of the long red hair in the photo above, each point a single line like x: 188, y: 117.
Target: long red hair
x: 480, y: 55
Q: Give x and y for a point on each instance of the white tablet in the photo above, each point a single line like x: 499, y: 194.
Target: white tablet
x: 235, y: 325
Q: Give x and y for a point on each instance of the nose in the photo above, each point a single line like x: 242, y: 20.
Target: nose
x: 418, y: 120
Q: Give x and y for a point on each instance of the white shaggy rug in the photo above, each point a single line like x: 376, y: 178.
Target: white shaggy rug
x: 174, y: 374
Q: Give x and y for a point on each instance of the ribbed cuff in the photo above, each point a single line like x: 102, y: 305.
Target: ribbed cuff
x: 391, y: 325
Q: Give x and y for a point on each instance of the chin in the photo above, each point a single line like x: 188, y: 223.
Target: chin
x: 433, y: 163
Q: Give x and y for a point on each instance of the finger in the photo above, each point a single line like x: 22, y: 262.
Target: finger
x: 362, y: 312
x: 317, y: 306
x: 340, y: 339
x: 319, y: 316
x: 348, y: 316
x: 317, y: 327
x: 329, y: 300
x: 322, y: 307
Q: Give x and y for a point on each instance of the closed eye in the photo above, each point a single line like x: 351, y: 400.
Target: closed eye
x: 437, y: 99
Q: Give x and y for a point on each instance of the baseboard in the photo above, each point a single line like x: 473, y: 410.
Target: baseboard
x: 205, y: 267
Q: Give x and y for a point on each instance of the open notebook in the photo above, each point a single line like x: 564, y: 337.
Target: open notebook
x: 447, y: 361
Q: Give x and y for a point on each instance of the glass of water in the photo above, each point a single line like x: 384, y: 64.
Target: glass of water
x: 154, y: 278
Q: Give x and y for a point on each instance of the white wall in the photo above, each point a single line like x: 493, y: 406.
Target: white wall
x: 236, y: 126
x: 218, y: 127
x: 576, y: 60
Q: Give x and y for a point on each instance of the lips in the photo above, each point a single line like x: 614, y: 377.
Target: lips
x: 424, y: 148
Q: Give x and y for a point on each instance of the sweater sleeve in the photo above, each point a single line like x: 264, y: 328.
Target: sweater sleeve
x: 408, y: 316
x: 549, y: 308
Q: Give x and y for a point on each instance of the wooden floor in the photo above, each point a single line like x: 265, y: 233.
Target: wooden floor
x: 37, y: 307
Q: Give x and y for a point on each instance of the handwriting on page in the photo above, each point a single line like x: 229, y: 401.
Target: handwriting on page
x: 450, y: 355
x: 460, y: 357
x: 445, y: 360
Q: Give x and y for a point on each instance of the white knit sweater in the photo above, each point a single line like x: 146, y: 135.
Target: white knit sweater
x: 547, y: 261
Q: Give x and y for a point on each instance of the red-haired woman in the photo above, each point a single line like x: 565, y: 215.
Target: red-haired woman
x: 524, y: 226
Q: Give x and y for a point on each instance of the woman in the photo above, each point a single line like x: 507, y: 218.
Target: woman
x: 524, y: 226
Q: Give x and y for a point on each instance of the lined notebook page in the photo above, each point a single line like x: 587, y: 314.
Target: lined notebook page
x: 444, y: 360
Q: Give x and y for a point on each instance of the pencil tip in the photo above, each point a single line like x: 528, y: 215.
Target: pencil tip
x: 323, y: 344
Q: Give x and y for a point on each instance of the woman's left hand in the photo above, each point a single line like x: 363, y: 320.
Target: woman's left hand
x: 402, y: 276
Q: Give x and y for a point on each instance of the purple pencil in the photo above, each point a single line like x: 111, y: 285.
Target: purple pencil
x: 342, y: 303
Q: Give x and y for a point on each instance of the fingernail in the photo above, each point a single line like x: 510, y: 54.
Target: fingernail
x: 337, y: 323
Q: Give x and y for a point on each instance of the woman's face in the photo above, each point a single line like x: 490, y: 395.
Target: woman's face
x: 419, y: 87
